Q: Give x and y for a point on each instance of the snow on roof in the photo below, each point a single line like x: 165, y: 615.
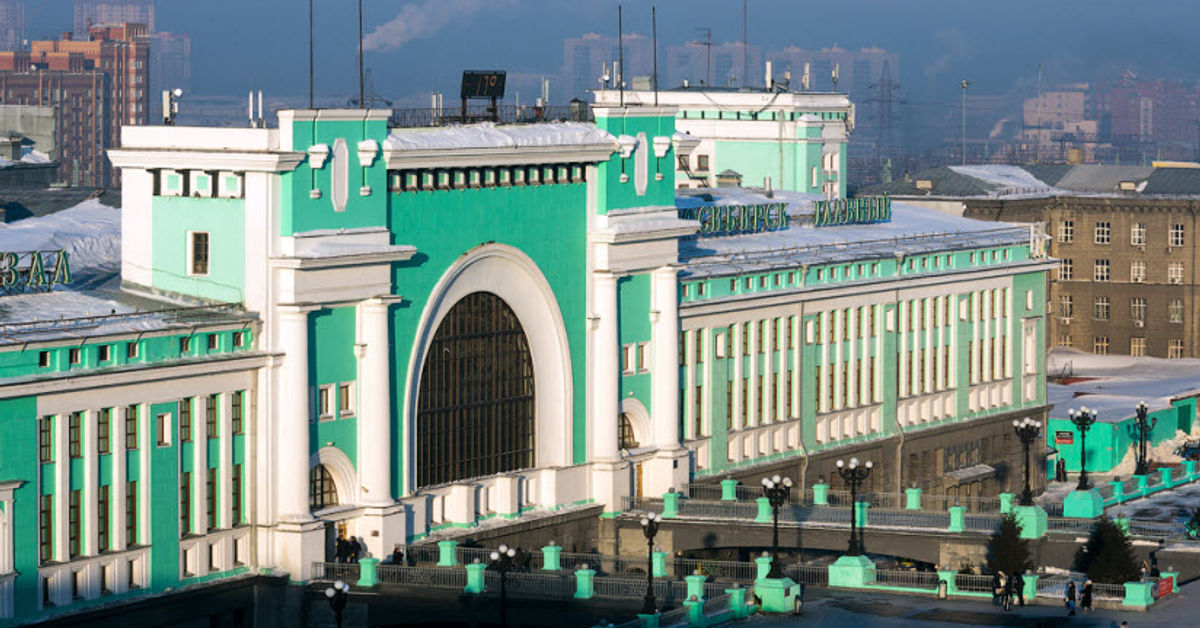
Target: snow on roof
x: 912, y: 230
x: 89, y: 232
x: 490, y: 135
x: 1113, y: 385
x: 1005, y: 178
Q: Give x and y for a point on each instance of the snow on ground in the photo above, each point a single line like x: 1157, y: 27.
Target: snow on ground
x: 489, y: 135
x: 1175, y: 505
x: 1118, y: 382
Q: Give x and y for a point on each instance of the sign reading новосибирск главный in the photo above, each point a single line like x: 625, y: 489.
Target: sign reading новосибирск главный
x: 852, y: 211
x: 33, y: 270
x: 718, y: 220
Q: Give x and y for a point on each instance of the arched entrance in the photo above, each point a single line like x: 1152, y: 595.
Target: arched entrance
x: 475, y: 413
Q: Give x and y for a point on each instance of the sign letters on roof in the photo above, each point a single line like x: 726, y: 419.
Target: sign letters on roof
x: 33, y: 270
x: 852, y: 211
x: 722, y: 220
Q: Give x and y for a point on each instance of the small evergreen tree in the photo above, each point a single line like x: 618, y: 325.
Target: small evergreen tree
x: 1007, y: 551
x: 1108, y: 554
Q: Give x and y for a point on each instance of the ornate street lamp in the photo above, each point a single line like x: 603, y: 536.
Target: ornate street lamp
x: 853, y: 475
x: 338, y: 594
x: 1143, y: 427
x: 776, y: 490
x: 1027, y: 430
x: 650, y: 525
x: 503, y: 562
x: 1083, y: 420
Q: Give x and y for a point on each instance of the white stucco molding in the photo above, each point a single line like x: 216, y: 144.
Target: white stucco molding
x: 639, y: 418
x: 183, y: 158
x: 496, y: 156
x: 511, y: 275
x: 345, y: 478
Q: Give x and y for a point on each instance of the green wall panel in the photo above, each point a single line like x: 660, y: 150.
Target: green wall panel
x: 224, y: 220
x: 18, y: 460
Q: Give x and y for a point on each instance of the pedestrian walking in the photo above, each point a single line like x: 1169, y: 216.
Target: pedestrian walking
x: 355, y: 549
x: 1085, y: 597
x: 397, y: 556
x: 1070, y: 598
x: 1019, y: 587
x: 1008, y: 592
x: 996, y: 589
x: 341, y: 550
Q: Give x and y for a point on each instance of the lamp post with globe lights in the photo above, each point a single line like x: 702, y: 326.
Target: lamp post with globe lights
x: 502, y: 561
x: 1143, y: 426
x: 776, y: 490
x: 338, y: 595
x: 1027, y: 430
x: 1083, y: 420
x: 853, y: 474
x: 650, y: 524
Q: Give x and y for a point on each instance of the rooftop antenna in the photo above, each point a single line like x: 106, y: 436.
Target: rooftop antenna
x: 310, y: 54
x: 361, y: 79
x: 835, y: 76
x: 806, y: 78
x: 1037, y: 147
x: 964, y: 84
x: 745, y: 43
x: 620, y: 73
x: 707, y: 43
x: 654, y: 37
x: 170, y: 105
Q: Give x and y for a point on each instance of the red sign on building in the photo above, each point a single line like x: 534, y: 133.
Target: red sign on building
x: 1063, y: 437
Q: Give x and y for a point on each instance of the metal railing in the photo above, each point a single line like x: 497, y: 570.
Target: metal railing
x: 974, y: 583
x: 409, y: 117
x: 1069, y: 525
x: 534, y: 584
x: 1105, y: 591
x: 718, y: 569
x: 438, y: 577
x: 346, y: 572
x: 841, y: 498
x: 902, y: 578
x: 808, y: 574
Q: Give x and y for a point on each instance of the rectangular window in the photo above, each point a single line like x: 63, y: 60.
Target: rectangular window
x: 1101, y: 270
x: 164, y: 429
x: 104, y: 353
x: 1065, y: 341
x: 1175, y: 238
x: 185, y: 502
x: 211, y: 427
x: 74, y: 356
x: 698, y: 417
x: 104, y: 430
x: 1175, y: 311
x: 46, y: 439
x: 1137, y: 271
x: 345, y: 398
x: 102, y: 518
x: 762, y: 328
x: 235, y: 412
x: 1137, y: 233
x: 213, y: 341
x: 791, y: 332
x: 1066, y: 269
x: 642, y: 350
x: 198, y: 253
x: 131, y: 427
x: 185, y: 344
x: 185, y: 420
x: 702, y: 163
x: 1175, y: 348
x: 1175, y: 272
x: 626, y: 367
x: 74, y: 434
x: 745, y: 338
x: 681, y: 162
x: 73, y: 523
x: 1100, y: 345
x: 235, y: 503
x: 1137, y: 308
x: 43, y: 359
x: 131, y: 513
x: 211, y: 499
x: 1137, y: 346
x: 239, y: 339
x: 1066, y: 231
x: 1100, y: 309
x: 46, y: 528
x: 131, y: 350
x: 1103, y: 232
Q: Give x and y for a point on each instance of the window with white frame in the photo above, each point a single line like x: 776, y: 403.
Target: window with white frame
x: 197, y: 252
x: 1175, y: 311
x: 1066, y: 269
x: 345, y: 399
x: 1101, y: 270
x: 1066, y: 231
x: 1175, y: 348
x: 1064, y: 340
x: 627, y: 358
x: 1137, y: 233
x: 1100, y: 345
x: 1100, y: 308
x: 1175, y: 272
x: 1103, y: 232
x: 1137, y: 271
x: 643, y: 353
x: 1175, y: 235
x: 1137, y: 346
x: 325, y: 402
x: 1066, y: 306
x: 1137, y: 308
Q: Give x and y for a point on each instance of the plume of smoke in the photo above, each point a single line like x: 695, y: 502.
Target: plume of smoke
x: 421, y: 19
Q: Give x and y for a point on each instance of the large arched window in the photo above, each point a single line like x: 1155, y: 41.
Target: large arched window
x: 475, y: 408
x: 322, y: 492
x: 627, y: 439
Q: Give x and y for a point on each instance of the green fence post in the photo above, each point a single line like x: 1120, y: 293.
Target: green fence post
x: 1030, y: 587
x: 1174, y: 575
x: 764, y: 511
x: 820, y: 494
x: 1166, y: 477
x: 1006, y: 503
x: 764, y: 566
x: 1142, y: 486
x: 695, y: 585
x: 912, y: 498
x: 729, y: 490
x: 1189, y: 467
x: 1138, y: 594
x: 695, y: 611
x: 552, y: 557
x: 958, y: 518
x: 649, y: 621
x: 475, y: 577
x: 447, y: 553
x: 659, y: 564
x: 860, y: 511
x: 585, y: 583
x: 947, y: 576
x: 670, y: 504
x: 737, y: 602
x: 368, y: 572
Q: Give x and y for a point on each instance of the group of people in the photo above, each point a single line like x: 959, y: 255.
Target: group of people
x: 348, y: 551
x: 1005, y: 586
x: 1084, y: 595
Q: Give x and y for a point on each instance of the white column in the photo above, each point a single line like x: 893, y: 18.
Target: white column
x: 225, y: 459
x: 200, y: 466
x: 739, y: 402
x: 89, y: 535
x: 293, y: 417
x: 62, y: 486
x: 851, y: 383
x: 902, y: 314
x: 664, y: 378
x: 145, y: 439
x: 120, y: 475
x: 752, y: 398
x: 766, y: 413
x: 605, y: 349
x: 374, y: 404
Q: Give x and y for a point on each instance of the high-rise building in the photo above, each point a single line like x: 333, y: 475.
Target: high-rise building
x: 857, y: 70
x: 91, y: 12
x: 585, y: 59
x: 96, y: 85
x: 1152, y: 119
x: 718, y: 65
x: 170, y: 66
x: 12, y: 25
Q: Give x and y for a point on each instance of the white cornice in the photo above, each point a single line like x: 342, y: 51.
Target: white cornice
x: 72, y: 381
x: 395, y: 254
x: 180, y: 159
x: 634, y: 111
x: 497, y: 156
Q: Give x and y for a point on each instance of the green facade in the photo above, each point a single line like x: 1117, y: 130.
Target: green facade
x: 1109, y: 442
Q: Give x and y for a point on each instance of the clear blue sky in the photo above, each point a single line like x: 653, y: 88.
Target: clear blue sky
x: 996, y: 44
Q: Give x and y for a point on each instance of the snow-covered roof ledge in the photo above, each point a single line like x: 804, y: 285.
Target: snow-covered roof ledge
x: 488, y: 144
x: 330, y: 248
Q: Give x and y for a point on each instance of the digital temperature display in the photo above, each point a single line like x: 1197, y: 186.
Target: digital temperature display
x: 483, y: 84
